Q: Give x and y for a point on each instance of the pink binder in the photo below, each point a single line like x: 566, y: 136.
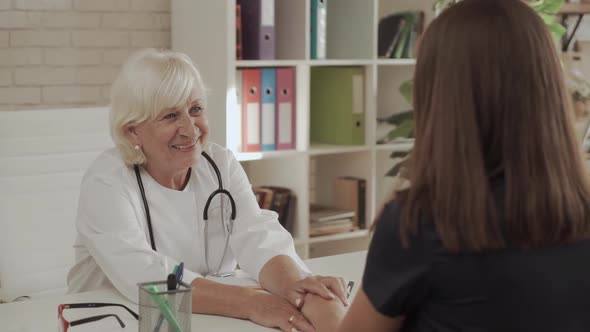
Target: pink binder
x: 285, y: 117
x: 251, y: 110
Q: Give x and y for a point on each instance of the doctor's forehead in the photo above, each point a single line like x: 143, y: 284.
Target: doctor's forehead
x: 195, y: 98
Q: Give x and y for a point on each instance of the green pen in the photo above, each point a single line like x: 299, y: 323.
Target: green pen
x: 164, y: 308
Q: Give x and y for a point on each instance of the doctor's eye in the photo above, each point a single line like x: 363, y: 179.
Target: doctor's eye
x: 196, y: 110
x: 170, y: 116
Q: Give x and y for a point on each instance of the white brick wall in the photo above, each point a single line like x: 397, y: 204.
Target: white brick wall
x: 59, y: 53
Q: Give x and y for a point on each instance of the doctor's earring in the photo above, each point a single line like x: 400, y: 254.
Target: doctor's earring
x: 137, y: 148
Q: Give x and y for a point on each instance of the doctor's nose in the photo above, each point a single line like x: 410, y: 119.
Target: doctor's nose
x: 187, y: 126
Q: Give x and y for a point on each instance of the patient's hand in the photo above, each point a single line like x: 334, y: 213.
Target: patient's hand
x: 324, y: 315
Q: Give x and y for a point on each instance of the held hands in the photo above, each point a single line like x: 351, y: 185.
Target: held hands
x: 273, y: 311
x: 327, y: 288
x: 325, y: 315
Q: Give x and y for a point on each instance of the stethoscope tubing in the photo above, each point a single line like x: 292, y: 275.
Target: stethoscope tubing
x: 228, y: 229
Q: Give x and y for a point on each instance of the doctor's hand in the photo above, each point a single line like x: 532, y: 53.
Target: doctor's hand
x: 325, y: 315
x: 326, y: 287
x: 273, y: 311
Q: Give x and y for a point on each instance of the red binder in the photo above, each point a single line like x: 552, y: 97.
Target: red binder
x: 285, y: 96
x: 251, y: 110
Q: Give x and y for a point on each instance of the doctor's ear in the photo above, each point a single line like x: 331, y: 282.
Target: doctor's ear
x: 131, y: 133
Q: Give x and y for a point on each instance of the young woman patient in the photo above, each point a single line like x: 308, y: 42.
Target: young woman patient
x: 492, y: 234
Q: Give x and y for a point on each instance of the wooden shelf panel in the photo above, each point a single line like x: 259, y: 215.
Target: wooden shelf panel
x: 249, y: 156
x: 339, y: 236
x: 402, y: 145
x: 574, y: 8
x: 268, y: 63
x: 340, y: 62
x: 323, y: 149
x: 396, y: 62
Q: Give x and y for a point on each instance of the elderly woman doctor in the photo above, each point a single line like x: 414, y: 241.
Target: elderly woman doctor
x: 164, y: 195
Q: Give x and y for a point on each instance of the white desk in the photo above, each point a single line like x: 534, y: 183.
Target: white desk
x: 41, y: 314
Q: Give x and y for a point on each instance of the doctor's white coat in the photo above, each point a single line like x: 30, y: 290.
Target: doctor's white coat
x: 113, y: 247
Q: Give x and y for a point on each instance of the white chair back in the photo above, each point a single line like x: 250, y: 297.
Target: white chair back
x: 43, y: 155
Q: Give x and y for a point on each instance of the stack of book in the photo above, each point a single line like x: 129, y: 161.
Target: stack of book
x: 278, y: 199
x: 326, y: 220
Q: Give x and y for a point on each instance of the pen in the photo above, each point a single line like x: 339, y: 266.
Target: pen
x: 179, y: 271
x: 349, y: 288
x: 175, y: 284
x: 164, y: 308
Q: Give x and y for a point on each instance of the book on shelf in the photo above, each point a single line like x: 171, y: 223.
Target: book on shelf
x: 397, y: 34
x: 278, y: 199
x: 322, y: 213
x: 344, y: 226
x: 264, y: 197
x: 350, y: 193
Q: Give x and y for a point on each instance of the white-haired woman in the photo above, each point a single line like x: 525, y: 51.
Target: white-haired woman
x: 165, y: 196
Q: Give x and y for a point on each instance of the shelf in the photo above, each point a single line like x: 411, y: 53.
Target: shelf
x: 340, y: 62
x: 574, y: 9
x: 249, y: 156
x: 402, y: 145
x: 299, y: 241
x: 268, y: 63
x: 396, y: 62
x: 340, y: 236
x: 325, y: 149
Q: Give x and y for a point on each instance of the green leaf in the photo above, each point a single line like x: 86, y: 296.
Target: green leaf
x: 547, y: 18
x: 402, y: 131
x: 406, y: 90
x: 394, y: 171
x: 557, y: 30
x: 399, y: 118
x: 399, y: 154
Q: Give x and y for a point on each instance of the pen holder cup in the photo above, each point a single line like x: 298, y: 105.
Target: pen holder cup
x: 162, y: 310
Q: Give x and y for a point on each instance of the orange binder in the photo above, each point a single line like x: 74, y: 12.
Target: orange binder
x: 251, y: 110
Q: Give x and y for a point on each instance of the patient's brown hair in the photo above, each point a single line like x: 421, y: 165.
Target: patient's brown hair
x: 489, y: 98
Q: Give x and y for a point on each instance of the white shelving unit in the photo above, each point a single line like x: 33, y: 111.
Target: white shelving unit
x: 205, y: 30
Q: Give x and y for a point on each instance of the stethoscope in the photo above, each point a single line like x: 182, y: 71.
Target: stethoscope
x: 228, y: 227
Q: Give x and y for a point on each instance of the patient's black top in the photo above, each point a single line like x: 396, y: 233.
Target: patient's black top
x: 509, y: 290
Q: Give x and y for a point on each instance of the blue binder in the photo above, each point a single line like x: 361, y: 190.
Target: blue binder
x: 268, y: 109
x: 318, y: 28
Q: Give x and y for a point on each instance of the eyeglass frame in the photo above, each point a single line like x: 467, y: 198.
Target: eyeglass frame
x: 65, y: 324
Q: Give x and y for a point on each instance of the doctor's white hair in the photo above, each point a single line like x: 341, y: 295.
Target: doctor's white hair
x: 149, y: 82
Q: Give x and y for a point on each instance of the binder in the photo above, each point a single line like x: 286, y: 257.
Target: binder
x: 319, y: 13
x: 350, y: 193
x: 238, y: 118
x: 251, y: 110
x: 268, y: 110
x: 238, y: 31
x: 337, y: 105
x: 258, y: 29
x: 285, y: 96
